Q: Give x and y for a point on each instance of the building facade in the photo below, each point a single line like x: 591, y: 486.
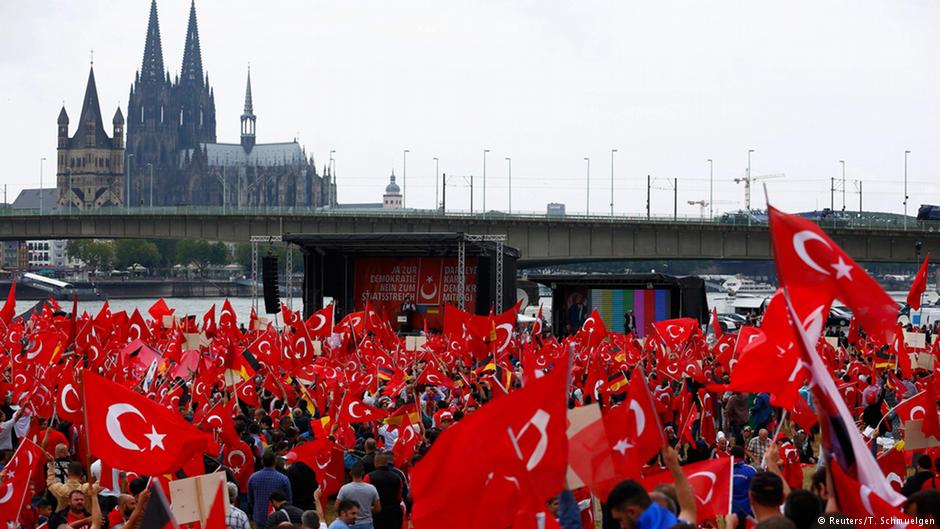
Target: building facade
x: 172, y: 153
x: 90, y: 164
x: 392, y: 197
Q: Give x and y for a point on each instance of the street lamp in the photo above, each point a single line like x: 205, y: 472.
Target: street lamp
x: 484, y: 180
x: 612, y: 151
x: 843, y: 184
x: 150, y: 165
x: 509, y: 160
x: 588, y: 210
x: 437, y: 183
x: 711, y: 189
x: 905, y: 188
x: 331, y: 199
x: 747, y: 187
x: 404, y: 176
x: 42, y: 161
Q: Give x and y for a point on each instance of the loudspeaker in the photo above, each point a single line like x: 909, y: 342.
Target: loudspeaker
x: 272, y: 299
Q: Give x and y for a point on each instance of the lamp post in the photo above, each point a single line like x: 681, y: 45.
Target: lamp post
x: 404, y: 176
x: 747, y: 187
x: 331, y: 199
x: 905, y: 188
x: 150, y: 165
x: 127, y: 181
x: 612, y: 151
x: 588, y: 189
x: 842, y: 162
x: 437, y: 183
x: 711, y: 189
x: 42, y: 162
x: 484, y: 180
x: 509, y: 161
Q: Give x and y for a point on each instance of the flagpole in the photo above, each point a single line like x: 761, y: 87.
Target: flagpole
x: 23, y: 499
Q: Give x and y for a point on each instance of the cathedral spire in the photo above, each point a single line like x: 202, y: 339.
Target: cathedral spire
x: 192, y: 55
x: 90, y: 127
x: 248, y: 119
x: 152, y: 67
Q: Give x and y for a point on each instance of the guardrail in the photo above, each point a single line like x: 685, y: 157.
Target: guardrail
x: 887, y: 224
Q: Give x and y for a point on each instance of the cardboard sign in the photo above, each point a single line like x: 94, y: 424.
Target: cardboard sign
x: 833, y: 341
x: 413, y: 343
x: 925, y: 361
x: 915, y: 340
x: 914, y: 438
x: 191, y: 498
x: 579, y: 419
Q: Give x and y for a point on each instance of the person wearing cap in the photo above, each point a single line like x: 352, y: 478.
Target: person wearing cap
x: 721, y: 447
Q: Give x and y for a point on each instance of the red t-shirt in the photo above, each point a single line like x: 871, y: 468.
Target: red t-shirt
x: 73, y: 517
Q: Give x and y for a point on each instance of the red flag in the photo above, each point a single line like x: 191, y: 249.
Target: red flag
x: 8, y: 311
x: 931, y: 424
x: 131, y: 432
x: 716, y: 325
x: 686, y: 433
x: 216, y: 518
x: 919, y: 286
x: 526, y: 448
x: 408, y: 440
x: 710, y: 481
x: 158, y: 310
x: 433, y: 377
x: 859, y: 501
x: 537, y: 326
x: 357, y: 411
x: 593, y: 332
x: 676, y: 332
x: 616, y: 447
x: 69, y: 403
x: 320, y: 323
x: 815, y: 270
x: 245, y: 390
x: 15, y: 484
x: 892, y: 464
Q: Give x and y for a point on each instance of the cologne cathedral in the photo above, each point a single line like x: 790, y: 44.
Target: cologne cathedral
x: 174, y: 159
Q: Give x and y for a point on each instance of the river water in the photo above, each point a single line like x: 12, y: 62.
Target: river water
x: 183, y: 306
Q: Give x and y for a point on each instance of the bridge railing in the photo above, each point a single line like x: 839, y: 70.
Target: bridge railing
x: 867, y: 222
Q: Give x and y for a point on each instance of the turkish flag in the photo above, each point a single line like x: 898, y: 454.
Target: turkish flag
x: 432, y: 376
x: 245, y: 390
x: 931, y: 424
x: 892, y: 464
x: 715, y: 324
x: 408, y: 440
x: 514, y: 443
x: 129, y: 431
x: 228, y: 320
x: 69, y: 402
x: 859, y: 501
x: 919, y: 286
x: 593, y: 331
x: 17, y: 474
x: 710, y: 481
x: 676, y: 332
x: 815, y: 270
x: 357, y: 411
x: 618, y: 445
x: 320, y: 323
x: 158, y: 310
x: 912, y: 409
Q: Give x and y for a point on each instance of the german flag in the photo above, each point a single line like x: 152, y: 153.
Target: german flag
x: 385, y: 373
x: 616, y: 383
x: 484, y: 366
x: 408, y: 410
x: 503, y: 376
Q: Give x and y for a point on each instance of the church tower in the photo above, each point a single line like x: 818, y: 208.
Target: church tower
x: 248, y: 119
x: 90, y: 164
x: 192, y: 93
x: 152, y: 124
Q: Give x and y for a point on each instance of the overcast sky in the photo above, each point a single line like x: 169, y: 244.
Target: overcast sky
x: 667, y: 83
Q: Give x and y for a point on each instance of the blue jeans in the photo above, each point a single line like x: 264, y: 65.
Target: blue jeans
x: 363, y: 525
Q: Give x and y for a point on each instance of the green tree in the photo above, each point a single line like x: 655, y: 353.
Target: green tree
x: 128, y: 252
x: 198, y: 253
x: 167, y: 249
x: 218, y: 254
x: 98, y: 255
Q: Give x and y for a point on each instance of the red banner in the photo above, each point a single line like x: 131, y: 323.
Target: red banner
x: 385, y: 282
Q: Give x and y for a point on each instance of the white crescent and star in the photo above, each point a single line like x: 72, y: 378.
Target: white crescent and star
x: 711, y: 487
x: 425, y: 295
x: 639, y: 415
x: 321, y: 319
x: 113, y: 425
x: 69, y: 388
x: 799, y: 246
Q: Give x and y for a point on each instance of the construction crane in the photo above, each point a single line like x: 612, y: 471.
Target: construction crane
x: 748, y: 179
x: 702, y: 204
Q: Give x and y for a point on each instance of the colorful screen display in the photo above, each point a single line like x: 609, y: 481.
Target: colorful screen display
x: 647, y: 306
